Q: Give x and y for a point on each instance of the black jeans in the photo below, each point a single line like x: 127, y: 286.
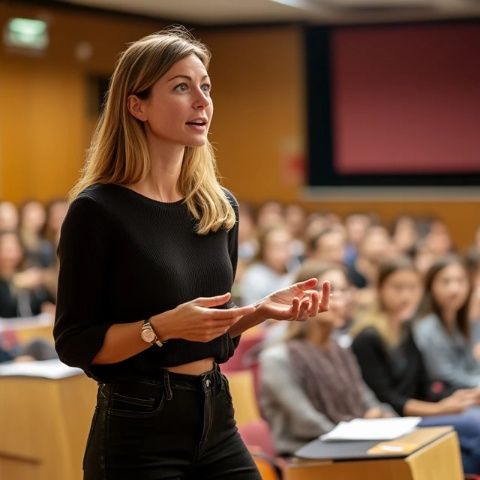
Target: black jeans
x: 179, y: 427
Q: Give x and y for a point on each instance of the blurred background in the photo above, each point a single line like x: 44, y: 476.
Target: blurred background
x: 347, y: 129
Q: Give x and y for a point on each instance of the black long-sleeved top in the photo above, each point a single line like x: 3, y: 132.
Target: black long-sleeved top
x: 125, y: 257
x: 394, y: 374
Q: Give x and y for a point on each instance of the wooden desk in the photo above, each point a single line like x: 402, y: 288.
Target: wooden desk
x: 438, y: 458
x: 44, y: 425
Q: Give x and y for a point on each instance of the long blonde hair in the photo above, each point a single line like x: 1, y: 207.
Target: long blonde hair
x: 118, y: 152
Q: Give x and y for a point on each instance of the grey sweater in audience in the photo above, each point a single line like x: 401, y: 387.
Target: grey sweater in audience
x: 448, y: 356
x: 292, y: 418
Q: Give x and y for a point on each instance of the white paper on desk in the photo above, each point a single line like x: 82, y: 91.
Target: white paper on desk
x: 52, y: 369
x: 372, y: 429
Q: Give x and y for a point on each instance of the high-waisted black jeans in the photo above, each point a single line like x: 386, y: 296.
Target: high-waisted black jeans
x: 179, y: 427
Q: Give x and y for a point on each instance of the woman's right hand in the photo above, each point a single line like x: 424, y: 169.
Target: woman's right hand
x: 457, y: 402
x: 197, y: 321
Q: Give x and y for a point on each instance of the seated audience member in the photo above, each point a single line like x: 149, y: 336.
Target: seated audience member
x: 308, y: 383
x: 8, y: 216
x: 38, y: 251
x: 404, y: 234
x: 328, y: 245
x: 56, y: 211
x: 269, y: 214
x: 356, y: 226
x: 271, y: 270
x: 21, y: 293
x: 375, y: 248
x: 393, y: 367
x: 296, y: 221
x: 443, y: 330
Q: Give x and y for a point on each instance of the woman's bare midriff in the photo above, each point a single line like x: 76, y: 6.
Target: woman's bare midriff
x: 194, y: 368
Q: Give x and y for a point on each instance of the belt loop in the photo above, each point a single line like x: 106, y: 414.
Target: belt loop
x: 166, y: 384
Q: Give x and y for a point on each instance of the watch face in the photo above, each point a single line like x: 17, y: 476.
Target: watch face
x: 148, y: 335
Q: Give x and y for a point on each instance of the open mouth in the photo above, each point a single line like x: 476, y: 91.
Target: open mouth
x: 197, y: 123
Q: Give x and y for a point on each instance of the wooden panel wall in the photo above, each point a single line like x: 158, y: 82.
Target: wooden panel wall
x: 45, y: 122
x: 258, y: 127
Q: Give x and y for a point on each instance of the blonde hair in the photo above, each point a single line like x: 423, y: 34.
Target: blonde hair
x: 118, y: 152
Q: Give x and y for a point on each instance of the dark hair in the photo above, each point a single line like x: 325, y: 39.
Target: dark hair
x: 429, y: 303
x: 393, y: 265
x: 312, y: 243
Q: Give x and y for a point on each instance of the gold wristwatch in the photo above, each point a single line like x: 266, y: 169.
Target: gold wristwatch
x: 148, y: 334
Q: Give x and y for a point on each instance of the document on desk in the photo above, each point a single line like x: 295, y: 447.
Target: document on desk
x: 371, y: 429
x: 51, y: 369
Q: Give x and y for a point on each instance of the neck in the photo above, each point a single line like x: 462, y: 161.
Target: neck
x: 319, y: 335
x: 161, y: 183
x: 6, y: 273
x: 449, y: 319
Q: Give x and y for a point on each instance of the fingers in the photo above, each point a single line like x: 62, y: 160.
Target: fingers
x: 325, y: 297
x: 309, y: 284
x: 216, y: 301
x: 315, y: 303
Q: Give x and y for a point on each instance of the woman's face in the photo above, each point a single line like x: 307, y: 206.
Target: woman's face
x: 33, y: 216
x: 10, y: 252
x: 276, y: 253
x: 179, y: 109
x: 450, y: 287
x: 401, y: 293
x: 340, y: 299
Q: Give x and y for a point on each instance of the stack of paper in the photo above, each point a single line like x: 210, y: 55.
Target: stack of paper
x: 53, y: 369
x: 372, y: 429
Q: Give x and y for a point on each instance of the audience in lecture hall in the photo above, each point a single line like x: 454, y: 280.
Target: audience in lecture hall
x: 309, y: 383
x: 394, y: 368
x: 377, y: 286
x: 26, y: 258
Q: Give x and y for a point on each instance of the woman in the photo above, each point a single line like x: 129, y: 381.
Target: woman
x: 442, y: 332
x: 270, y: 271
x: 393, y: 367
x: 308, y: 382
x: 38, y: 250
x: 148, y: 252
x: 22, y: 293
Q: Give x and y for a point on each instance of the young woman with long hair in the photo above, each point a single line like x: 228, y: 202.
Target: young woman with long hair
x: 443, y: 329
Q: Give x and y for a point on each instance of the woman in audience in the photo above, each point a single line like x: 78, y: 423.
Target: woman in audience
x: 56, y: 211
x: 21, y: 293
x: 308, y: 382
x: 38, y: 251
x: 271, y: 270
x: 393, y: 367
x: 8, y: 217
x: 443, y: 332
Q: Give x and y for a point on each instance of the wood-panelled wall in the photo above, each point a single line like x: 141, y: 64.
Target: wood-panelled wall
x: 45, y: 115
x: 258, y: 128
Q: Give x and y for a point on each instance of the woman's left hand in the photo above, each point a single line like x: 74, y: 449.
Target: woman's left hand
x: 296, y: 302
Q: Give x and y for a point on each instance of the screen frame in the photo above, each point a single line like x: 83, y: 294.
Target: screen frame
x: 320, y: 133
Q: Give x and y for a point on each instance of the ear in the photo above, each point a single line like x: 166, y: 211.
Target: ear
x: 136, y: 108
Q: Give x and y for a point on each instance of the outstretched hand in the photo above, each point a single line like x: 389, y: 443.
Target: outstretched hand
x: 296, y: 302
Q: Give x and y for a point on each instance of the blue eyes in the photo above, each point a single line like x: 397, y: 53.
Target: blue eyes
x: 183, y: 87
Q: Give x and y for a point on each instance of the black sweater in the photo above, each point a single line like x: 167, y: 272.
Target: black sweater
x: 394, y: 374
x: 125, y: 257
